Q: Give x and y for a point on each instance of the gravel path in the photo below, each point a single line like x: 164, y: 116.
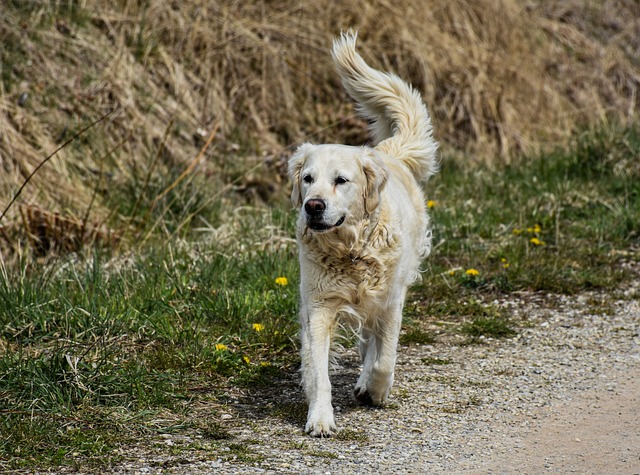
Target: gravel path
x: 561, y: 397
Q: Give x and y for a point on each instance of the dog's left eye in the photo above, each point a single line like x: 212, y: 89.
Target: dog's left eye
x: 341, y: 180
x: 307, y: 179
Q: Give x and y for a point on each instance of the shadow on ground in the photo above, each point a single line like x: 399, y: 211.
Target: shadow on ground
x: 281, y: 396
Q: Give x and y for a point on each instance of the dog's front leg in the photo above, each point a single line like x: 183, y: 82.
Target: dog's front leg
x: 316, y: 328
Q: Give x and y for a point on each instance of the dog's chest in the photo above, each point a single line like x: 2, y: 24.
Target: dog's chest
x: 354, y: 277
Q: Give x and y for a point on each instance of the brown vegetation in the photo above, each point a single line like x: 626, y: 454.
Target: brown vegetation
x: 500, y: 77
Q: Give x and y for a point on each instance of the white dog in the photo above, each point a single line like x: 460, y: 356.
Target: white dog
x: 362, y: 232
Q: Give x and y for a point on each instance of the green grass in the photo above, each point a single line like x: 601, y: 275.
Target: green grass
x: 435, y: 361
x: 487, y: 327
x: 352, y: 435
x: 554, y: 223
x: 100, y: 350
x: 85, y: 344
x: 415, y: 335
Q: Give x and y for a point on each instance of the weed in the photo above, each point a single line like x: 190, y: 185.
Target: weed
x: 402, y: 393
x: 49, y: 439
x: 416, y: 335
x: 215, y: 431
x: 322, y: 454
x: 601, y: 305
x: 353, y: 435
x: 487, y: 327
x: 242, y: 453
x: 435, y: 361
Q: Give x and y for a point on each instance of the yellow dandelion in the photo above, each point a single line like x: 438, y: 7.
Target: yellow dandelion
x: 221, y: 347
x: 258, y: 327
x: 537, y: 228
x: 516, y: 231
x: 265, y: 364
x: 505, y: 265
x: 282, y: 281
x: 472, y: 272
x: 536, y: 242
x: 431, y: 204
x: 452, y: 272
x: 246, y: 359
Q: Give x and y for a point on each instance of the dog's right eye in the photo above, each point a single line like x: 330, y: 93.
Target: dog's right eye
x: 307, y: 179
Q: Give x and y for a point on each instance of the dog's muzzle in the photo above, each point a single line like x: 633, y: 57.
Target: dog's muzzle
x: 315, y: 210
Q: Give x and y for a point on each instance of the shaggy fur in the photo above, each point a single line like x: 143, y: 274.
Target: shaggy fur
x: 362, y: 232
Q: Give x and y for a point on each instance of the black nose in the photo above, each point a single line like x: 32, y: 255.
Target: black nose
x: 314, y: 207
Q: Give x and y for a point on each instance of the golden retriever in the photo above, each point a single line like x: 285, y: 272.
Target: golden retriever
x: 362, y: 232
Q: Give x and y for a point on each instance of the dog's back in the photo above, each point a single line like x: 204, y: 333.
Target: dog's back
x: 400, y: 122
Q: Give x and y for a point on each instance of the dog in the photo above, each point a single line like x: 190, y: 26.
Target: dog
x: 362, y: 231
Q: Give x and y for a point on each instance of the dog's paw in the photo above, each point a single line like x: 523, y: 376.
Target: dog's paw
x: 379, y: 399
x: 366, y: 398
x: 320, y: 424
x: 371, y: 397
x: 362, y: 396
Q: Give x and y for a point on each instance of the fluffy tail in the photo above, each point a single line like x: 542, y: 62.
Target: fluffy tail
x: 400, y: 122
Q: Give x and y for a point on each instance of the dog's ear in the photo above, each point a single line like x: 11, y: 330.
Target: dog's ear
x: 295, y: 166
x: 376, y: 174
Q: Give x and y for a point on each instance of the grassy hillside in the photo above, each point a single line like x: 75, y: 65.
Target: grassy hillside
x: 224, y: 90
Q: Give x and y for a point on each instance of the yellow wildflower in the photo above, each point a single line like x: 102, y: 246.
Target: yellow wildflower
x: 221, y: 347
x: 505, y: 263
x: 431, y: 204
x: 517, y: 231
x: 246, y: 359
x: 282, y: 281
x: 265, y: 364
x: 537, y: 228
x: 472, y: 272
x: 536, y: 242
x: 258, y: 327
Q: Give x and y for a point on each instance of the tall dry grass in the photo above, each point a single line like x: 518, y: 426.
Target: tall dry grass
x: 500, y: 77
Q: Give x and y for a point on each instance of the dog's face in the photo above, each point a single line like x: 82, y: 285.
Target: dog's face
x: 334, y: 185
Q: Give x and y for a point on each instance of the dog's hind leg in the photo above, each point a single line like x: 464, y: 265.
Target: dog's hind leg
x: 379, y: 352
x: 368, y: 353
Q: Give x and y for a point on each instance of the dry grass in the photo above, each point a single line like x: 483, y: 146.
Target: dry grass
x: 500, y: 77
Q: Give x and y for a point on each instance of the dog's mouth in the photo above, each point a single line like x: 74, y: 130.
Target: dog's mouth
x: 320, y: 227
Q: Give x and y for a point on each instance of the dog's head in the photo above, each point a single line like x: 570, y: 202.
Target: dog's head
x: 335, y: 184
